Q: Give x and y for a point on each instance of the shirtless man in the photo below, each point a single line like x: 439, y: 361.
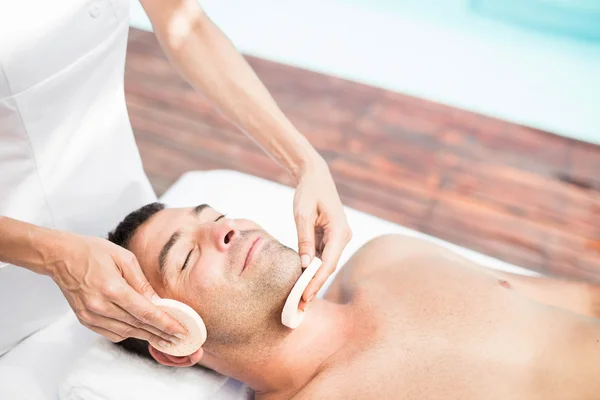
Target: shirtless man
x: 404, y: 319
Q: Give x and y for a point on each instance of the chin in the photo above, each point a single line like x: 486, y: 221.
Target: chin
x: 282, y: 268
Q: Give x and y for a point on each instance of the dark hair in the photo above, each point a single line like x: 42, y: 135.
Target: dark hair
x: 122, y: 236
x: 136, y: 346
x: 126, y: 229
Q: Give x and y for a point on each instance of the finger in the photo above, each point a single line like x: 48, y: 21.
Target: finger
x: 302, y: 305
x: 113, y: 311
x: 133, y: 274
x: 331, y: 256
x: 319, y: 246
x: 163, y: 336
x: 305, y: 226
x: 113, y: 337
x: 149, y: 314
x: 124, y: 331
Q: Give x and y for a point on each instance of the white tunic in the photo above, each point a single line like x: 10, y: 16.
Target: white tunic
x: 68, y: 159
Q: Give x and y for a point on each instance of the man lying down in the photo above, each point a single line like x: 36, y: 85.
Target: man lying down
x: 404, y: 319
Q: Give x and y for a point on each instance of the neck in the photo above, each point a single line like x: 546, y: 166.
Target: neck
x: 295, y: 357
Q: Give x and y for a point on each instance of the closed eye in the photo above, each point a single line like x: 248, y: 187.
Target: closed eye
x: 186, y: 260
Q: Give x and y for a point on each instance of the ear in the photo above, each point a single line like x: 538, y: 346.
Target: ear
x: 173, y: 361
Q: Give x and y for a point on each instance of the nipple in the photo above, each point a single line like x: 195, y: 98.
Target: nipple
x: 292, y: 316
x: 505, y: 284
x: 191, y: 321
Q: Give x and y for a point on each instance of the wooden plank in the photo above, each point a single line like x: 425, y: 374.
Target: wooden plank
x: 519, y: 194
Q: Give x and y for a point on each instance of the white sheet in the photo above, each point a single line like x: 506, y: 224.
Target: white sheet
x: 108, y: 372
x: 35, y: 368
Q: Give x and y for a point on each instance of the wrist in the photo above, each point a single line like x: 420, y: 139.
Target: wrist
x: 52, y: 249
x: 310, y: 165
x: 306, y: 160
x: 40, y: 244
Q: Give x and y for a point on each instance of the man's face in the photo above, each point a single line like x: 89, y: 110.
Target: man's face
x: 233, y: 273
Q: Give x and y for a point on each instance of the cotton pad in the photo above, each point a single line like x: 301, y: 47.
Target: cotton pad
x: 191, y: 321
x: 292, y: 316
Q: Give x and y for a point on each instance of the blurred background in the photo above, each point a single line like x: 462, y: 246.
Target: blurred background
x: 475, y: 121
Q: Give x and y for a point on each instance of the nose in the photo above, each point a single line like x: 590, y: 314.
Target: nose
x: 223, y: 233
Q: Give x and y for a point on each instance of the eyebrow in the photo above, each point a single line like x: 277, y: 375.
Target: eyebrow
x: 198, y: 209
x: 162, y: 257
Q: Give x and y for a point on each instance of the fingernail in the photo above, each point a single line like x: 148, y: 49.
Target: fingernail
x: 155, y: 297
x: 164, y: 344
x: 180, y: 336
x: 305, y: 259
x: 310, y: 298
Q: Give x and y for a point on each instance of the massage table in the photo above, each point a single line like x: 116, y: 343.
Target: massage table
x: 35, y: 368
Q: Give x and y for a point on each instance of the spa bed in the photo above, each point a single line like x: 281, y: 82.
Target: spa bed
x: 37, y: 366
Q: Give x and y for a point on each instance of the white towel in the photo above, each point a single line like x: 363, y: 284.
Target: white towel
x: 108, y: 372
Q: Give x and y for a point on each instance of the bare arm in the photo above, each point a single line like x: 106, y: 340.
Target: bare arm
x: 27, y: 245
x: 102, y: 282
x: 204, y: 56
x: 208, y: 60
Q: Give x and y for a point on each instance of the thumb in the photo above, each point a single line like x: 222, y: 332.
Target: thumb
x: 306, y: 239
x: 133, y: 274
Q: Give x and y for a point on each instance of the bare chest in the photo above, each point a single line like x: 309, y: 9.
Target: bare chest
x: 470, y: 339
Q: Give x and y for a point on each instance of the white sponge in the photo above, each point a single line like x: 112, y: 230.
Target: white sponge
x: 191, y: 321
x: 292, y: 316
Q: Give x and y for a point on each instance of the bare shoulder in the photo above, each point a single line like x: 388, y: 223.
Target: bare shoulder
x: 379, y: 254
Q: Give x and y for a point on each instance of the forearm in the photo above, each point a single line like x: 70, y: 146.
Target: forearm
x: 26, y: 245
x: 210, y: 62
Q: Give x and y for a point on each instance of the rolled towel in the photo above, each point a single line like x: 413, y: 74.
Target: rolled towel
x: 108, y: 372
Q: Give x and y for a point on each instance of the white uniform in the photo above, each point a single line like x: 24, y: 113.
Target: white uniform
x: 68, y: 158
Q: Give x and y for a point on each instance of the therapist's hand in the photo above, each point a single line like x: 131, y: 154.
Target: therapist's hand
x: 322, y: 226
x: 108, y: 291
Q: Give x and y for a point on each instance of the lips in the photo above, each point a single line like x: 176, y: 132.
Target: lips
x: 252, y: 250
